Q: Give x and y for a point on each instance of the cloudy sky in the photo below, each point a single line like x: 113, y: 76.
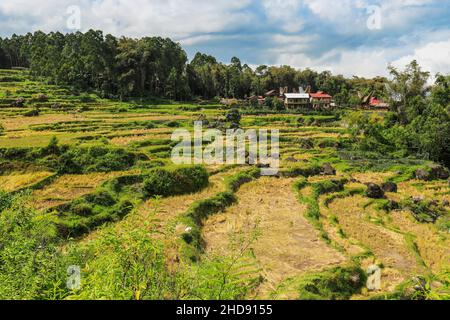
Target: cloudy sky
x: 350, y: 37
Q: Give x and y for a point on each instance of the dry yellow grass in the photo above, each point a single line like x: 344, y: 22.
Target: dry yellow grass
x: 20, y: 122
x: 164, y: 211
x: 18, y: 181
x: 388, y: 246
x: 437, y: 190
x: 287, y: 246
x: 123, y: 141
x: 372, y: 177
x: 69, y: 187
x: 434, y: 246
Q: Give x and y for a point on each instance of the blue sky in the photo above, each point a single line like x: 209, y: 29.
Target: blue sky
x: 350, y: 37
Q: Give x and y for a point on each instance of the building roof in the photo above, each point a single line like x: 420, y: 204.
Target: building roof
x: 297, y: 95
x: 320, y: 95
x: 272, y: 92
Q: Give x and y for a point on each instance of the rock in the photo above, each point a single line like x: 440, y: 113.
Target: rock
x: 291, y: 159
x: 422, y: 174
x: 328, y: 170
x: 389, y: 187
x: 417, y: 199
x: 439, y: 172
x: 18, y: 103
x: 374, y: 191
x: 434, y: 172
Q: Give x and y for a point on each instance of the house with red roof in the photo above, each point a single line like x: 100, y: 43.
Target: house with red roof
x: 321, y: 100
x: 378, y: 104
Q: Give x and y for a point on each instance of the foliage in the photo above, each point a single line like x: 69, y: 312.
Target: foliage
x: 153, y: 66
x: 418, y: 124
x: 339, y: 283
x: 28, y: 252
x: 175, y: 180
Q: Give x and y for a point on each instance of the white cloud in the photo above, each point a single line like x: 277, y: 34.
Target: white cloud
x: 433, y: 57
x: 432, y: 53
x: 284, y: 13
x: 174, y: 18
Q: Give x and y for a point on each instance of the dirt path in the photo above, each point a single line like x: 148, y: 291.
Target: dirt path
x: 287, y: 245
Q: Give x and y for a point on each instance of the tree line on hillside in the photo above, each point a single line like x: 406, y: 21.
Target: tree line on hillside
x: 153, y: 66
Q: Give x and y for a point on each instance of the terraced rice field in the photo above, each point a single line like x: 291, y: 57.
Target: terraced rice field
x: 294, y: 230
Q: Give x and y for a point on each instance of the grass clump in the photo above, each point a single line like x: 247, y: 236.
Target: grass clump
x: 339, y: 283
x: 176, y: 180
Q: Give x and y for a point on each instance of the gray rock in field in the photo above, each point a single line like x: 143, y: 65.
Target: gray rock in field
x: 328, y: 170
x: 374, y: 191
x: 434, y: 172
x: 389, y: 187
x: 422, y: 174
x: 439, y: 172
x: 291, y: 159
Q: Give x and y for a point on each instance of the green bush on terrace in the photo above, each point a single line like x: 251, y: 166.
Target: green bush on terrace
x: 339, y: 283
x: 175, y: 180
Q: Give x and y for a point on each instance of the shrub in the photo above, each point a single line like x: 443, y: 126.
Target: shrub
x: 41, y: 98
x: 175, y: 181
x: 18, y: 103
x: 102, y: 198
x: 32, y: 113
x: 339, y: 283
x: 82, y: 209
x: 86, y: 98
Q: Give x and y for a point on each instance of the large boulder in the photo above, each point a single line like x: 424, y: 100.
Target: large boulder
x: 389, y: 187
x: 422, y: 174
x: 328, y: 170
x: 433, y: 172
x: 374, y: 191
x: 439, y: 172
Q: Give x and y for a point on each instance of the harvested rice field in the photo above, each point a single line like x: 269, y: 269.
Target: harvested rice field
x: 101, y: 172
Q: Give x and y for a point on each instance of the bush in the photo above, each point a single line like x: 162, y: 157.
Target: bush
x: 32, y: 113
x: 102, y: 198
x: 339, y: 283
x: 175, y: 181
x: 18, y: 103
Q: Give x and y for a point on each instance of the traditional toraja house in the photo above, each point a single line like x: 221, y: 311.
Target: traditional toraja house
x: 296, y: 100
x: 271, y: 94
x: 378, y: 104
x: 321, y: 100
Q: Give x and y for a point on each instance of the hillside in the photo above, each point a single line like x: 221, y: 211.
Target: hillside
x: 89, y: 182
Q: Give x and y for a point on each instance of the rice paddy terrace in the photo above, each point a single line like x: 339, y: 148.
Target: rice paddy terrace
x: 310, y: 232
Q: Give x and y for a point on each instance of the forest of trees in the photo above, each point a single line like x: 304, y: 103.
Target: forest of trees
x: 153, y: 66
